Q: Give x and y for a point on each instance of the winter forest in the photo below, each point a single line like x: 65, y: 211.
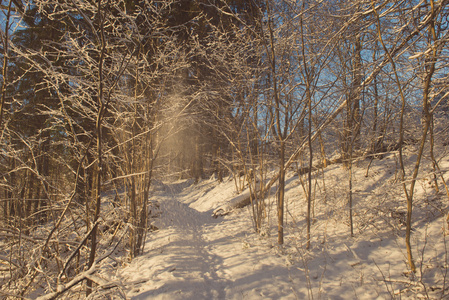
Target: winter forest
x: 224, y: 149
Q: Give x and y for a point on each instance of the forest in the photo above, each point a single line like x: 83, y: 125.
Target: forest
x: 102, y: 101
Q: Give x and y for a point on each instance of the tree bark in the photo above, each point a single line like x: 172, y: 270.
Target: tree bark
x: 280, y: 200
x: 99, y: 131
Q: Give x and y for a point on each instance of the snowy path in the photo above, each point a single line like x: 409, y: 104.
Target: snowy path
x: 186, y: 265
x: 194, y: 256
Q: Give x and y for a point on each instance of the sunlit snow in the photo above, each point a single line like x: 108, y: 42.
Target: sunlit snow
x: 195, y: 256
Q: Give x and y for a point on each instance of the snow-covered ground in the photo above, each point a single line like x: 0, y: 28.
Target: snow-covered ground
x: 195, y: 256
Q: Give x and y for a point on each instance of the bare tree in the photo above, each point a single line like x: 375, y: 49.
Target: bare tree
x: 431, y: 56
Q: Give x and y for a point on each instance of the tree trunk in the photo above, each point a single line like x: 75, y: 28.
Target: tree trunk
x: 5, y: 65
x: 99, y: 131
x: 280, y: 200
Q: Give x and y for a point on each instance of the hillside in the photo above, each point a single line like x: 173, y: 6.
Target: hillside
x: 195, y: 256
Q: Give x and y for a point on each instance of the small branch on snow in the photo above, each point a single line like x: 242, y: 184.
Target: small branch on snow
x: 84, y: 275
x: 87, y: 275
x: 12, y: 262
x: 77, y: 249
x: 62, y: 288
x: 14, y: 296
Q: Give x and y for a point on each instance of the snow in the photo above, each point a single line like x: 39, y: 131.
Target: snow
x: 196, y: 256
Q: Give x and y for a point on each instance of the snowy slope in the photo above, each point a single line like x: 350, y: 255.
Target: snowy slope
x: 194, y: 256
